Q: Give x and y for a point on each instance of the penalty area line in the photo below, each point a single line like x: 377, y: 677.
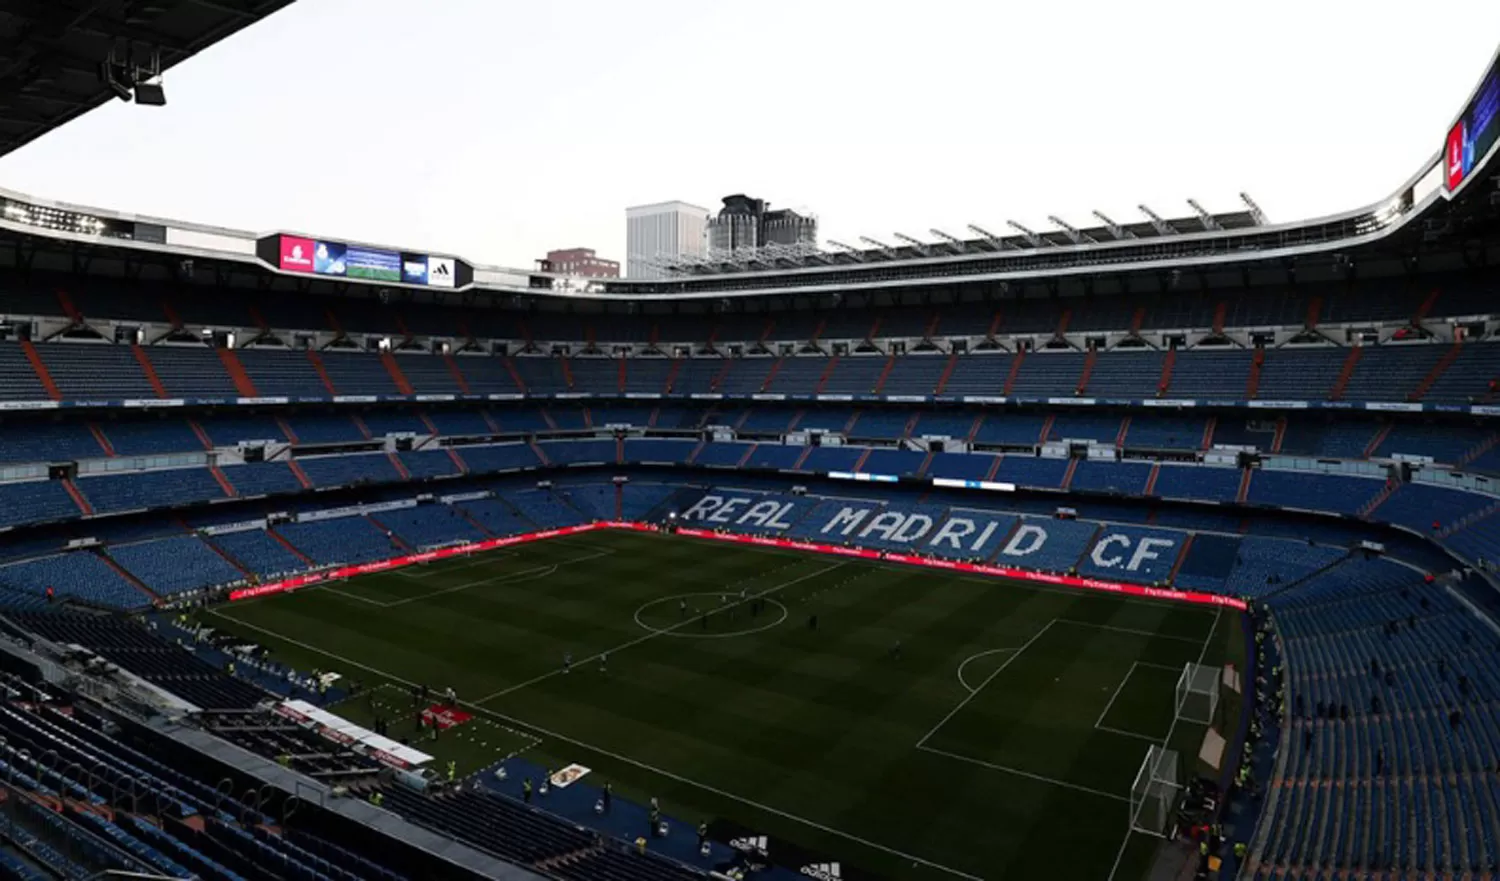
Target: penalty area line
x: 625, y: 760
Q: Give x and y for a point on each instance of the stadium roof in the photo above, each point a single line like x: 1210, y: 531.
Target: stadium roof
x: 978, y: 240
x: 51, y: 51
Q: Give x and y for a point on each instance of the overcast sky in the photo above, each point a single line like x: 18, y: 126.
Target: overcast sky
x: 497, y: 129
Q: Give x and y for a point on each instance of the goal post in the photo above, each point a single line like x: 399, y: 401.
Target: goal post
x: 1198, y: 694
x: 1155, y: 792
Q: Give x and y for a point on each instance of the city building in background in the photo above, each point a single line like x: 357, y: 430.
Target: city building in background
x: 581, y: 262
x: 748, y: 223
x: 662, y: 234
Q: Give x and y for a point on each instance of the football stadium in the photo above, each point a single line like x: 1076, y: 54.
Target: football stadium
x: 1156, y: 550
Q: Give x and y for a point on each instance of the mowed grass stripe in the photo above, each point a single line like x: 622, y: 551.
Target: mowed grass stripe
x: 786, y: 723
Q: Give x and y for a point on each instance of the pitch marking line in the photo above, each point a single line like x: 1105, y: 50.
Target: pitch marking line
x: 692, y: 635
x: 531, y: 574
x: 609, y: 754
x: 1202, y: 653
x: 1027, y: 774
x: 663, y: 632
x: 1099, y: 723
x: 1113, y: 629
x: 996, y: 672
x: 428, y: 572
x: 974, y: 657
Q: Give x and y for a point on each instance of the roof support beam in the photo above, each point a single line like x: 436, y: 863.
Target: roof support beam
x: 1161, y: 226
x: 1035, y: 240
x: 1115, y: 229
x: 988, y: 236
x: 1256, y: 214
x: 1209, y: 222
x: 954, y: 242
x: 921, y: 247
x: 1078, y: 237
x: 882, y: 247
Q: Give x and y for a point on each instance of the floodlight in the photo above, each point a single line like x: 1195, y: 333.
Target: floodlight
x: 150, y: 94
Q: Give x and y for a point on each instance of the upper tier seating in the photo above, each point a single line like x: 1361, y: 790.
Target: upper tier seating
x: 83, y: 575
x: 346, y: 540
x: 259, y: 551
x: 175, y: 565
x: 18, y: 381
x: 35, y: 501
x: 95, y: 372
x: 149, y: 489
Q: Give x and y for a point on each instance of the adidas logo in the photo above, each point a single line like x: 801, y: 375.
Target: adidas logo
x: 823, y: 871
x: 749, y: 844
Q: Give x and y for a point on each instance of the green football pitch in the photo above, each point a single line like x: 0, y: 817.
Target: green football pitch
x: 1001, y: 741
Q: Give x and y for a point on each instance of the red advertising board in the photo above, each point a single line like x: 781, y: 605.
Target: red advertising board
x: 1136, y: 590
x: 297, y: 254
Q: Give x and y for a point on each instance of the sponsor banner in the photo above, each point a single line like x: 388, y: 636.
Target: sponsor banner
x: 974, y: 484
x: 1484, y: 410
x: 441, y: 272
x: 156, y: 402
x: 440, y: 554
x: 226, y: 528
x: 297, y: 254
x: 570, y: 396
x: 1394, y: 407
x: 250, y: 402
x: 355, y: 399
x: 458, y: 498
x: 1475, y: 131
x: 1155, y: 402
x: 835, y: 397
x: 861, y: 476
x: 414, y: 269
x: 643, y: 396
x: 904, y: 399
x: 1071, y: 402
x: 706, y: 396
x: 1276, y: 405
x: 767, y: 397
x: 507, y: 397
x: 355, y: 510
x: 436, y: 397
x: 1192, y: 597
x: 445, y: 717
x: 568, y: 776
x: 29, y: 405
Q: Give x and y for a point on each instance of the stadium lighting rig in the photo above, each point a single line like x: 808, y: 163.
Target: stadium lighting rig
x: 52, y: 218
x: 1115, y: 229
x: 129, y: 80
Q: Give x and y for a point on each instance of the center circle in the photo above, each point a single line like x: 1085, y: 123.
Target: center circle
x: 689, y: 625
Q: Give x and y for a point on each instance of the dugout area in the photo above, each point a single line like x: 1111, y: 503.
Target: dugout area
x: 1001, y: 740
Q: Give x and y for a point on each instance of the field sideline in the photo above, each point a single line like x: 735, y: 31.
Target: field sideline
x: 1002, y: 740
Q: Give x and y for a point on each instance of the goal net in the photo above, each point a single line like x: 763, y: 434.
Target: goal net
x: 1154, y: 794
x: 1198, y: 693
